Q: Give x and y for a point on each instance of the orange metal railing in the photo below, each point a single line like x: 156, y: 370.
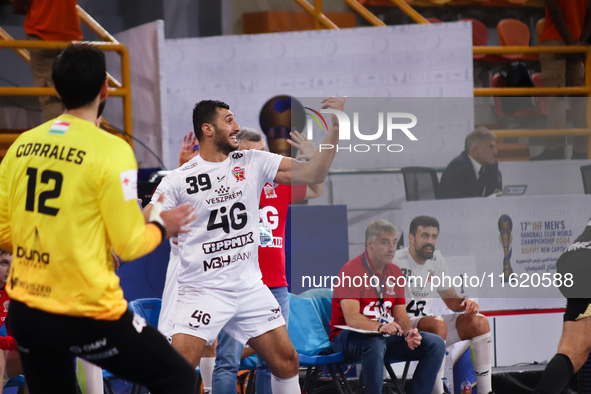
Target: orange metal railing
x: 109, y: 43
x: 584, y: 91
x: 321, y: 21
x: 124, y: 90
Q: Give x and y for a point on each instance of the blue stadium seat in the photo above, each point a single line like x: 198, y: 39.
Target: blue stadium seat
x: 310, y: 338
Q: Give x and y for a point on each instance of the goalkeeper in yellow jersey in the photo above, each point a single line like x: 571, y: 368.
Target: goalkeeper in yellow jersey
x: 67, y: 199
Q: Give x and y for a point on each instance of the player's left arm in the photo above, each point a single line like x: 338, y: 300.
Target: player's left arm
x: 459, y: 304
x: 314, y: 191
x: 5, y: 229
x: 314, y: 171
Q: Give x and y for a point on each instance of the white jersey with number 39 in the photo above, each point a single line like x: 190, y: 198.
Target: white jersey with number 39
x: 221, y: 250
x: 419, y: 295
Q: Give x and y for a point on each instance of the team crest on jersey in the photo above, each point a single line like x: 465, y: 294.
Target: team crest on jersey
x: 429, y: 276
x: 390, y: 290
x: 269, y: 191
x: 238, y: 173
x: 6, y: 303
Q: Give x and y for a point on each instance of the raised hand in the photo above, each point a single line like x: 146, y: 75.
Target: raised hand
x: 303, y: 144
x: 188, y: 148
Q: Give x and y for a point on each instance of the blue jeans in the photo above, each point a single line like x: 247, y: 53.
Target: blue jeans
x: 228, y: 351
x: 373, y: 349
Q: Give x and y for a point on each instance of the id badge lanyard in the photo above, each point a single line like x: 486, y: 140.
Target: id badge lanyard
x: 379, y: 290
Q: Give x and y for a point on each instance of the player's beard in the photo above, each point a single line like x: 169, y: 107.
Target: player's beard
x: 222, y: 143
x: 423, y: 254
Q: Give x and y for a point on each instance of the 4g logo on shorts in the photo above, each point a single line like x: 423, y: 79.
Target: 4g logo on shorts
x: 391, y: 126
x: 201, y: 318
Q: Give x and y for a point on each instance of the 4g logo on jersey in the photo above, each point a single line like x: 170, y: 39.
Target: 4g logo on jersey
x: 236, y: 217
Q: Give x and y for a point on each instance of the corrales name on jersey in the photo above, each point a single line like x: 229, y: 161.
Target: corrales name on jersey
x: 51, y: 151
x: 219, y: 262
x: 227, y: 244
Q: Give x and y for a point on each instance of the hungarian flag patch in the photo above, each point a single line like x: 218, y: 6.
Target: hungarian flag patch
x: 59, y: 127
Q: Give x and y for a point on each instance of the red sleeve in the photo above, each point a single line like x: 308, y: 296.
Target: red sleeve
x: 344, y: 289
x: 298, y: 193
x: 7, y: 343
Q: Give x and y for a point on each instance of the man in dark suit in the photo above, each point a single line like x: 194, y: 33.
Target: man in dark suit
x: 475, y: 172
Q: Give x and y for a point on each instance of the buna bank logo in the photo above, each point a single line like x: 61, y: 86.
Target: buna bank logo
x: 374, y: 141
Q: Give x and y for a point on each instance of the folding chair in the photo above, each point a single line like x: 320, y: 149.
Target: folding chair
x: 420, y: 183
x: 310, y: 339
x: 322, y: 300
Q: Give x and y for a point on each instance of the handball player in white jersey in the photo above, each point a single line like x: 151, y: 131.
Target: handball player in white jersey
x: 421, y: 259
x: 219, y: 280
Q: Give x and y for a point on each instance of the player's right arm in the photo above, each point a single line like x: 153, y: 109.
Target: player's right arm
x: 130, y: 235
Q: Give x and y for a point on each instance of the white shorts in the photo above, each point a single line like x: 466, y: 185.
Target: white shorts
x: 244, y: 314
x: 170, y: 292
x: 450, y: 320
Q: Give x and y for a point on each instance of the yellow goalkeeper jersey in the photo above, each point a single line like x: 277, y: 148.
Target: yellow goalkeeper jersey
x: 67, y: 198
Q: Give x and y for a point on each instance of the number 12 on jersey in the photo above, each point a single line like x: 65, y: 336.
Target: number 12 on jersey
x: 46, y: 177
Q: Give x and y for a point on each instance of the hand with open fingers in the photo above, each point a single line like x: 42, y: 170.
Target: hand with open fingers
x: 470, y: 306
x: 334, y: 103
x: 413, y: 339
x: 188, y: 148
x: 177, y: 218
x: 391, y: 328
x: 303, y: 144
x: 173, y: 220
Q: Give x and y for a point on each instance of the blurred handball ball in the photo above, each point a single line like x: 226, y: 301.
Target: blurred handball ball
x: 279, y: 116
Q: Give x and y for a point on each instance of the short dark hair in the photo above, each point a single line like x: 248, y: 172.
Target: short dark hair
x: 78, y: 74
x: 205, y: 111
x: 425, y: 221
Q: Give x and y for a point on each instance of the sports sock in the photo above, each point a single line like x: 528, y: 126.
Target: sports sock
x: 483, y: 351
x: 556, y: 375
x: 438, y: 387
x: 206, y: 366
x: 286, y: 386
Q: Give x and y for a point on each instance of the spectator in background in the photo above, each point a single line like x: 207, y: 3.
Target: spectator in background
x: 475, y: 172
x: 10, y: 364
x: 380, y: 310
x: 55, y: 20
x: 568, y: 22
